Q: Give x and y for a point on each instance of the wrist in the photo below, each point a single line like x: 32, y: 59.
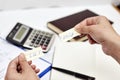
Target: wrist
x: 112, y: 47
x: 116, y: 53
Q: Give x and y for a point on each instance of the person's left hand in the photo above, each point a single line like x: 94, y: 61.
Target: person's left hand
x: 20, y: 69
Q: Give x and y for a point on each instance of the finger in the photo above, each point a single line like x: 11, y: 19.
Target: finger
x: 37, y: 70
x: 91, y: 41
x: 23, y: 62
x: 30, y: 62
x: 33, y: 67
x: 12, y: 67
x: 86, y: 29
x: 93, y: 20
x: 85, y: 23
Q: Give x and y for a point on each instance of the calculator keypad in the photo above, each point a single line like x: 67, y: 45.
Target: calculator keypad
x: 40, y: 38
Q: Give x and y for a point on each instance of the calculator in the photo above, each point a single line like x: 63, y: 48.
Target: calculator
x: 27, y: 37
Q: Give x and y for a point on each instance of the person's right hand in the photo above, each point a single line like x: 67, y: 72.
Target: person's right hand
x: 99, y: 30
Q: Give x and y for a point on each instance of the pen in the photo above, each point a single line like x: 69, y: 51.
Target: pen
x: 44, y: 72
x: 77, y: 75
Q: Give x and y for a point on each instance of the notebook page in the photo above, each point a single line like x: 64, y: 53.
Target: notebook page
x: 75, y: 56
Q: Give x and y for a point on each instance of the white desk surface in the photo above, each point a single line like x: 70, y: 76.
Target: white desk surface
x: 38, y: 18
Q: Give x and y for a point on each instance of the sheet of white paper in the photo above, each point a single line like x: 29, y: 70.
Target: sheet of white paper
x: 42, y: 64
x: 84, y: 58
x: 9, y: 52
x: 34, y: 53
x: 68, y: 35
x: 74, y: 56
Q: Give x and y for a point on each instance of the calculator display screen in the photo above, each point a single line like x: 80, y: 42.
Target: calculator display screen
x: 20, y: 33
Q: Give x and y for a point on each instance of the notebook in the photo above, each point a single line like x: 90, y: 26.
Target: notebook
x: 64, y: 23
x: 73, y: 56
x: 86, y: 59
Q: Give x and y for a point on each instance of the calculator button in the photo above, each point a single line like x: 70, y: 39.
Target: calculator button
x: 34, y: 39
x: 31, y: 44
x: 39, y: 38
x: 35, y: 36
x: 43, y: 47
x: 47, y: 41
x: 44, y: 39
x: 30, y: 38
x: 48, y: 38
x: 37, y: 42
x: 43, y: 32
x: 45, y: 44
x: 35, y: 45
x: 41, y: 44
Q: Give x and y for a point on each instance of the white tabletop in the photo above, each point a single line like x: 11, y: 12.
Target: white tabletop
x: 37, y: 18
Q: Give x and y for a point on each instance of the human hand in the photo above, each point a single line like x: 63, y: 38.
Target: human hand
x: 20, y: 69
x: 99, y: 30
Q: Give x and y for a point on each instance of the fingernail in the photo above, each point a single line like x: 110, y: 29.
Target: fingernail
x: 22, y: 56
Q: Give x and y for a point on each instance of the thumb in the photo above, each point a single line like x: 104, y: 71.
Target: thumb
x: 23, y: 62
